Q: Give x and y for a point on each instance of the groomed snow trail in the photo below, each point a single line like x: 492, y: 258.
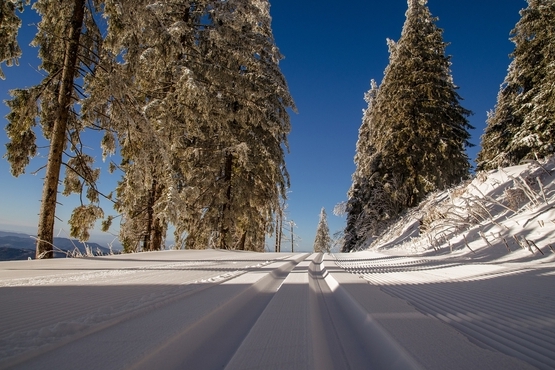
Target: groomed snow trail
x: 502, y: 306
x: 240, y: 310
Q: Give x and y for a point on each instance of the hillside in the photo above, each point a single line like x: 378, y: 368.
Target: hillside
x: 16, y: 246
x: 495, y: 214
x: 478, y: 257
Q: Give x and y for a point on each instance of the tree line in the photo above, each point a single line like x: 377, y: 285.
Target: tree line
x: 187, y: 95
x: 414, y: 131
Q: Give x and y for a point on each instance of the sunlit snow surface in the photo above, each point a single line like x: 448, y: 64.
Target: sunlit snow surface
x: 409, y: 304
x: 485, y: 263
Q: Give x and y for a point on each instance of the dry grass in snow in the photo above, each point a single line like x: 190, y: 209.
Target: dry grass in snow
x: 495, y: 214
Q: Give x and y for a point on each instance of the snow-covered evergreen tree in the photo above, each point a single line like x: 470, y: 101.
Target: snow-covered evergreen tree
x: 322, y: 242
x: 9, y: 27
x: 191, y: 95
x: 149, y: 42
x: 523, y: 125
x: 419, y: 129
x: 68, y: 39
x: 211, y: 103
x: 240, y: 137
x: 501, y: 124
x: 358, y: 194
x: 421, y: 125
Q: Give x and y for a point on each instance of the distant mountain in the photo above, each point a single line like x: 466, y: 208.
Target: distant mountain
x: 15, y: 246
x: 12, y: 254
x: 9, y: 233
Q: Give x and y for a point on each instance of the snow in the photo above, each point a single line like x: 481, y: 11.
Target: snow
x: 417, y: 300
x: 483, y: 264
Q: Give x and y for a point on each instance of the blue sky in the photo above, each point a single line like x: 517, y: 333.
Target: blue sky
x: 331, y: 53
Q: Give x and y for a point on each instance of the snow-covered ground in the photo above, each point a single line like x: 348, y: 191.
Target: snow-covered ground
x: 215, y: 309
x: 469, y: 290
x: 481, y: 258
x: 496, y: 213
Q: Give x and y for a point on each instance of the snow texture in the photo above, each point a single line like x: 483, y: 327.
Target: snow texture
x: 462, y: 301
x: 237, y: 310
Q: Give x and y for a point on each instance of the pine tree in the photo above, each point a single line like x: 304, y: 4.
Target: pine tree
x: 322, y: 242
x: 419, y: 129
x: 501, y: 123
x: 522, y: 126
x: 68, y: 39
x: 417, y: 114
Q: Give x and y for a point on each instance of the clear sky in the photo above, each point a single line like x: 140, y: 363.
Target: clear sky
x: 331, y: 53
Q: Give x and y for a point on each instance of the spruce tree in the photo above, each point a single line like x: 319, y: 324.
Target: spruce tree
x: 322, y: 242
x: 211, y: 103
x: 419, y: 129
x: 241, y: 134
x: 522, y: 126
x: 148, y: 44
x: 501, y: 124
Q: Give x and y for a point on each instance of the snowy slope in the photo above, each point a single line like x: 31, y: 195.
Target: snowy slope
x: 479, y: 258
x: 496, y: 213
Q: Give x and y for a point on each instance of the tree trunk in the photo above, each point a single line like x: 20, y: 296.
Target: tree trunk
x: 157, y: 227
x: 280, y: 230
x: 241, y: 243
x: 277, y: 232
x: 292, y: 238
x: 157, y: 236
x: 45, y: 233
x: 154, y: 228
x: 226, y: 208
x: 147, y: 245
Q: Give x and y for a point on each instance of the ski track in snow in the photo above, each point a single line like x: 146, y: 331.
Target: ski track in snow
x: 26, y: 327
x: 239, y: 310
x: 507, y: 307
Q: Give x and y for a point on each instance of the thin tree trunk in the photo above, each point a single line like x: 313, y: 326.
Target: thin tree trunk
x: 147, y: 241
x: 292, y: 238
x: 241, y: 244
x: 280, y: 235
x: 279, y: 229
x: 45, y: 233
x: 226, y: 208
x: 157, y: 228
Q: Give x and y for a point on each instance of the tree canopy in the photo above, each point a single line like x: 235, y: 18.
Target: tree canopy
x: 414, y: 132
x: 522, y: 126
x: 188, y: 95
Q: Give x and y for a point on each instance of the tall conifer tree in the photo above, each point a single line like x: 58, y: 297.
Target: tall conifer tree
x: 212, y: 103
x: 357, y: 204
x: 523, y: 125
x: 242, y: 134
x: 149, y: 43
x: 419, y: 128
